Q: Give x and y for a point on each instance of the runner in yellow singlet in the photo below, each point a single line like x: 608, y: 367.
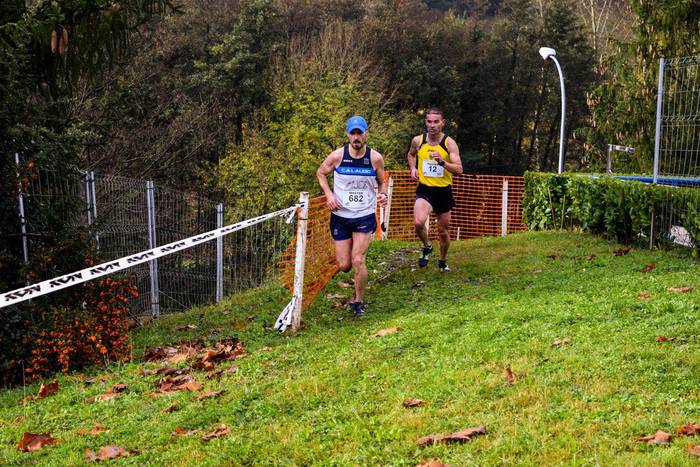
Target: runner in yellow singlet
x: 433, y: 158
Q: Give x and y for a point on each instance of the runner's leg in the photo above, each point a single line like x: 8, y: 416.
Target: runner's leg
x: 421, y: 211
x: 343, y: 252
x: 443, y: 222
x: 360, y: 245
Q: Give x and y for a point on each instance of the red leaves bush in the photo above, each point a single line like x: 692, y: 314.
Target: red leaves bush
x: 66, y: 339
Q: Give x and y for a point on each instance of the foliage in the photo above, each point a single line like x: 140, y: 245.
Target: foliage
x: 312, y: 97
x: 619, y: 209
x: 624, y: 105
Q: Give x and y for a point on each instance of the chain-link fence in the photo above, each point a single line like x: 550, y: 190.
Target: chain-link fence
x: 126, y: 216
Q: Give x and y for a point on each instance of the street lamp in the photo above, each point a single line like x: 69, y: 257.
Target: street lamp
x: 546, y: 53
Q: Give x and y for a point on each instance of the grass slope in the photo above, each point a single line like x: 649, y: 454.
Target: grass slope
x: 333, y: 396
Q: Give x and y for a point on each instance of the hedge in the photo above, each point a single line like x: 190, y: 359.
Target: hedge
x: 607, y: 206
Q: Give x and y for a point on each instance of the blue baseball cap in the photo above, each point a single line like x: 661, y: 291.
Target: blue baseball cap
x: 356, y: 123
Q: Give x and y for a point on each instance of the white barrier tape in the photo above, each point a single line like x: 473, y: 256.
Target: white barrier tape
x: 110, y: 267
x: 285, y: 318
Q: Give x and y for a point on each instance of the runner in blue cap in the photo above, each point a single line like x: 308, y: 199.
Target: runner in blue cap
x: 358, y: 186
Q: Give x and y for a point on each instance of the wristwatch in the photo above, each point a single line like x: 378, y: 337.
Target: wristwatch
x: 441, y: 162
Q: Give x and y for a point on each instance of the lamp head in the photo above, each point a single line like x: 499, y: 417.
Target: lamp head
x: 547, y: 52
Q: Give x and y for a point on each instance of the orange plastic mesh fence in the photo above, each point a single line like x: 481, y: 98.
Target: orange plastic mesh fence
x: 477, y: 213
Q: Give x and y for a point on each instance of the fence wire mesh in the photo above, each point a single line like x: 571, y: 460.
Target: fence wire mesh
x: 678, y: 221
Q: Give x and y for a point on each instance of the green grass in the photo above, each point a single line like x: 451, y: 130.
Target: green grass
x: 332, y: 395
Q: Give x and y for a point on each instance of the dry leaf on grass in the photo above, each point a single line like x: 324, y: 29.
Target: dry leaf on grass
x: 47, y: 390
x: 222, y: 430
x: 510, y: 377
x: 554, y: 256
x: 431, y: 463
x: 119, y: 387
x: 622, y: 251
x: 34, y: 441
x: 335, y: 296
x: 644, y: 296
x: 209, y: 395
x: 346, y: 285
x: 187, y: 327
x: 408, y: 403
x: 97, y: 429
x: 418, y: 284
x: 182, y: 432
x: 660, y: 437
x: 106, y: 452
x: 458, y: 437
x: 680, y: 289
x: 689, y: 429
x: 681, y: 340
x: 385, y: 332
x: 102, y: 397
x: 649, y: 267
x: 694, y: 450
x: 95, y: 379
x: 591, y: 257
x: 169, y: 408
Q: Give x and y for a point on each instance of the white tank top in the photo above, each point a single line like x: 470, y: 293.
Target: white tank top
x: 355, y: 185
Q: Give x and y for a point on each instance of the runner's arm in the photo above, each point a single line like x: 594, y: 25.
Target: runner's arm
x: 454, y: 164
x: 412, y: 154
x: 326, y: 168
x: 381, y: 179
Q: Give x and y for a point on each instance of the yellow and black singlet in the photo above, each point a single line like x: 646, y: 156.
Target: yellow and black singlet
x: 430, y: 173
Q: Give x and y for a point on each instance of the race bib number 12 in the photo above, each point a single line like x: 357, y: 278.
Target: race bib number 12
x: 432, y: 169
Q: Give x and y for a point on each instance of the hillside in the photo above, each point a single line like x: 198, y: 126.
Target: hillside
x: 600, y: 354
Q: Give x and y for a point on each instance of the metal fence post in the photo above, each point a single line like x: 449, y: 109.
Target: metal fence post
x: 219, y: 254
x: 302, y: 221
x: 659, y: 110
x: 94, y: 208
x: 153, y: 264
x: 504, y: 209
x: 22, y: 218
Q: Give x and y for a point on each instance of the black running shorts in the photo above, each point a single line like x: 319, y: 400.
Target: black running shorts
x: 439, y: 197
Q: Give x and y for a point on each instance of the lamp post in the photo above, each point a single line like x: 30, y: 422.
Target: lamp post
x: 546, y: 53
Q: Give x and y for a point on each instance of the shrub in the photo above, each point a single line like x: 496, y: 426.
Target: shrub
x: 608, y: 206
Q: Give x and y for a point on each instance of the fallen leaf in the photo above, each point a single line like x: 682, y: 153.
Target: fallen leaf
x: 412, y: 403
x: 102, y: 397
x: 48, y: 389
x: 187, y: 327
x: 387, y: 331
x: 222, y: 371
x: 431, y: 463
x: 622, y: 251
x: 95, y: 379
x: 117, y: 388
x: 345, y: 285
x: 465, y: 435
x: 689, y: 429
x: 193, y: 386
x: 106, y: 452
x: 182, y: 432
x: 644, y: 296
x: 680, y: 289
x: 335, y: 296
x: 458, y: 437
x: 418, y: 284
x: 660, y: 437
x: 662, y: 339
x: 209, y: 395
x: 97, y: 429
x: 428, y: 440
x: 649, y: 267
x: 554, y: 256
x: 170, y: 408
x: 510, y: 377
x: 146, y: 372
x: 34, y: 441
x: 591, y: 257
x: 694, y: 450
x: 222, y: 430
x: 560, y: 342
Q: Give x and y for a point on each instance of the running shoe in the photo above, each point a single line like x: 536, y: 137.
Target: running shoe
x: 423, y: 260
x: 358, y: 309
x: 442, y: 264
